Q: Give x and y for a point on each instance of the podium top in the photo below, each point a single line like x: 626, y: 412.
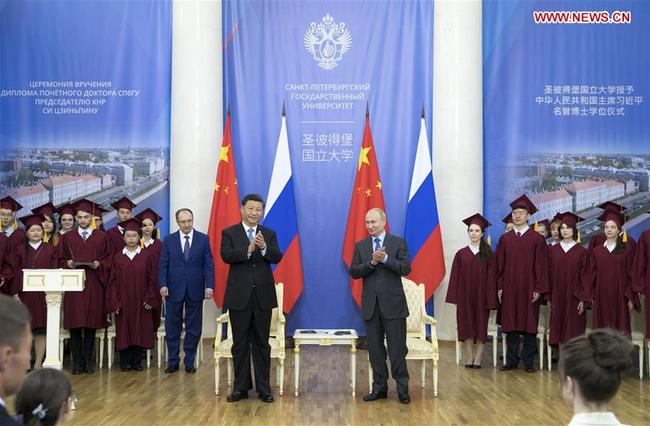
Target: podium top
x: 53, y: 279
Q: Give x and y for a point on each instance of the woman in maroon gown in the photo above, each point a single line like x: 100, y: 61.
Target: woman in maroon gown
x: 468, y: 290
x: 34, y: 253
x: 568, y: 264
x: 151, y: 243
x: 642, y: 274
x: 131, y: 295
x: 610, y: 277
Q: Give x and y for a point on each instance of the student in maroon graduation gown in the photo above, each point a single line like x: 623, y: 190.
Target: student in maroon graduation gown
x: 508, y: 222
x: 84, y: 311
x: 34, y: 253
x: 151, y: 243
x: 66, y: 218
x: 599, y: 239
x: 555, y: 229
x: 99, y: 218
x: 568, y: 265
x: 50, y: 234
x: 642, y: 274
x: 521, y: 280
x: 468, y: 290
x: 611, y: 275
x: 544, y: 228
x: 132, y: 294
x: 124, y: 208
x: 15, y: 237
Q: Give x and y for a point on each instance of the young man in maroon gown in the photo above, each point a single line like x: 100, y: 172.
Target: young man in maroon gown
x: 469, y: 290
x: 151, y: 243
x: 14, y: 237
x: 34, y: 253
x: 124, y: 208
x: 611, y: 275
x: 521, y: 280
x: 84, y: 311
x: 568, y: 266
x: 132, y: 295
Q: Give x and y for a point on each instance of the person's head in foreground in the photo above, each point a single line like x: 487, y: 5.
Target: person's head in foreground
x: 45, y: 398
x: 590, y: 372
x: 15, y: 345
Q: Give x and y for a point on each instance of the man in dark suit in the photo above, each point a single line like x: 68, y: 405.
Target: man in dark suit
x: 15, y: 351
x: 250, y: 249
x: 186, y: 277
x: 381, y: 261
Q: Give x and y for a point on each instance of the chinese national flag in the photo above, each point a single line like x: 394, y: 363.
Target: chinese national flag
x: 225, y: 210
x: 366, y: 194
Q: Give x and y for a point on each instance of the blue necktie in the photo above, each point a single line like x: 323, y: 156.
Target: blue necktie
x: 250, y: 234
x: 186, y: 248
x: 377, y: 245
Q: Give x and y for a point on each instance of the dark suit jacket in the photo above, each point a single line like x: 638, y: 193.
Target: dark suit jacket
x: 245, y: 272
x: 179, y: 276
x: 382, y: 284
x: 6, y: 419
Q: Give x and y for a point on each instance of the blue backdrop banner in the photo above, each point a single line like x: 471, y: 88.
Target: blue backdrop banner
x: 326, y: 61
x: 566, y: 108
x: 84, y: 102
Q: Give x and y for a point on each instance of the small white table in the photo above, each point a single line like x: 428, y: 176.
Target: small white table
x: 326, y: 338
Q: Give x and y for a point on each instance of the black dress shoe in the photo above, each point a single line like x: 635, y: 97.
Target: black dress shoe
x: 374, y: 396
x: 476, y: 366
x: 77, y: 371
x: 125, y: 368
x: 191, y: 369
x: 507, y: 367
x: 404, y: 398
x: 138, y: 368
x: 169, y: 370
x: 469, y: 365
x: 237, y: 395
x: 530, y: 370
x: 266, y: 398
x: 89, y: 370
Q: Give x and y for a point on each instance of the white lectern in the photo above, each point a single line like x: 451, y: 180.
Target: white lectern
x: 53, y: 282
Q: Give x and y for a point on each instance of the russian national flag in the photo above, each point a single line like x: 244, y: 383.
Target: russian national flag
x: 281, y: 217
x: 422, y: 230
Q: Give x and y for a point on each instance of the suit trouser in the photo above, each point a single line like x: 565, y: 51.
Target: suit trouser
x: 250, y: 333
x: 528, y: 353
x: 131, y: 356
x: 174, y: 326
x: 395, y: 332
x: 82, y: 346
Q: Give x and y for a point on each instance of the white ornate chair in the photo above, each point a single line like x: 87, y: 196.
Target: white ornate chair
x: 492, y: 331
x: 222, y: 347
x: 637, y: 325
x: 419, y: 348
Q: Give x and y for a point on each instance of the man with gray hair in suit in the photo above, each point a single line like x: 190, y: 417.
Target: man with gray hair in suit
x: 381, y: 260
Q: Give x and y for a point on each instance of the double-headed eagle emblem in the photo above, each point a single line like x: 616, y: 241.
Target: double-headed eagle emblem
x: 327, y: 42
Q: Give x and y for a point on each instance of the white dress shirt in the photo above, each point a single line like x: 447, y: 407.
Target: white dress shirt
x: 474, y: 249
x: 592, y: 419
x: 567, y: 246
x: 36, y: 245
x: 89, y: 231
x: 254, y: 228
x: 182, y: 235
x: 131, y: 254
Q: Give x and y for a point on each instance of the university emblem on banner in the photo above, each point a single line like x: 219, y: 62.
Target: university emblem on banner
x: 327, y: 42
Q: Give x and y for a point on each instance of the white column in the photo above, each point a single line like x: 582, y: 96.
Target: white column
x: 196, y: 114
x: 457, y: 132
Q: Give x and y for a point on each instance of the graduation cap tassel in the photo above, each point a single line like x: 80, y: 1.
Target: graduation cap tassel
x: 489, y: 240
x: 142, y: 243
x: 93, y: 224
x: 15, y: 225
x: 536, y: 227
x: 624, y: 231
x: 157, y: 233
x: 46, y: 239
x: 578, y: 239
